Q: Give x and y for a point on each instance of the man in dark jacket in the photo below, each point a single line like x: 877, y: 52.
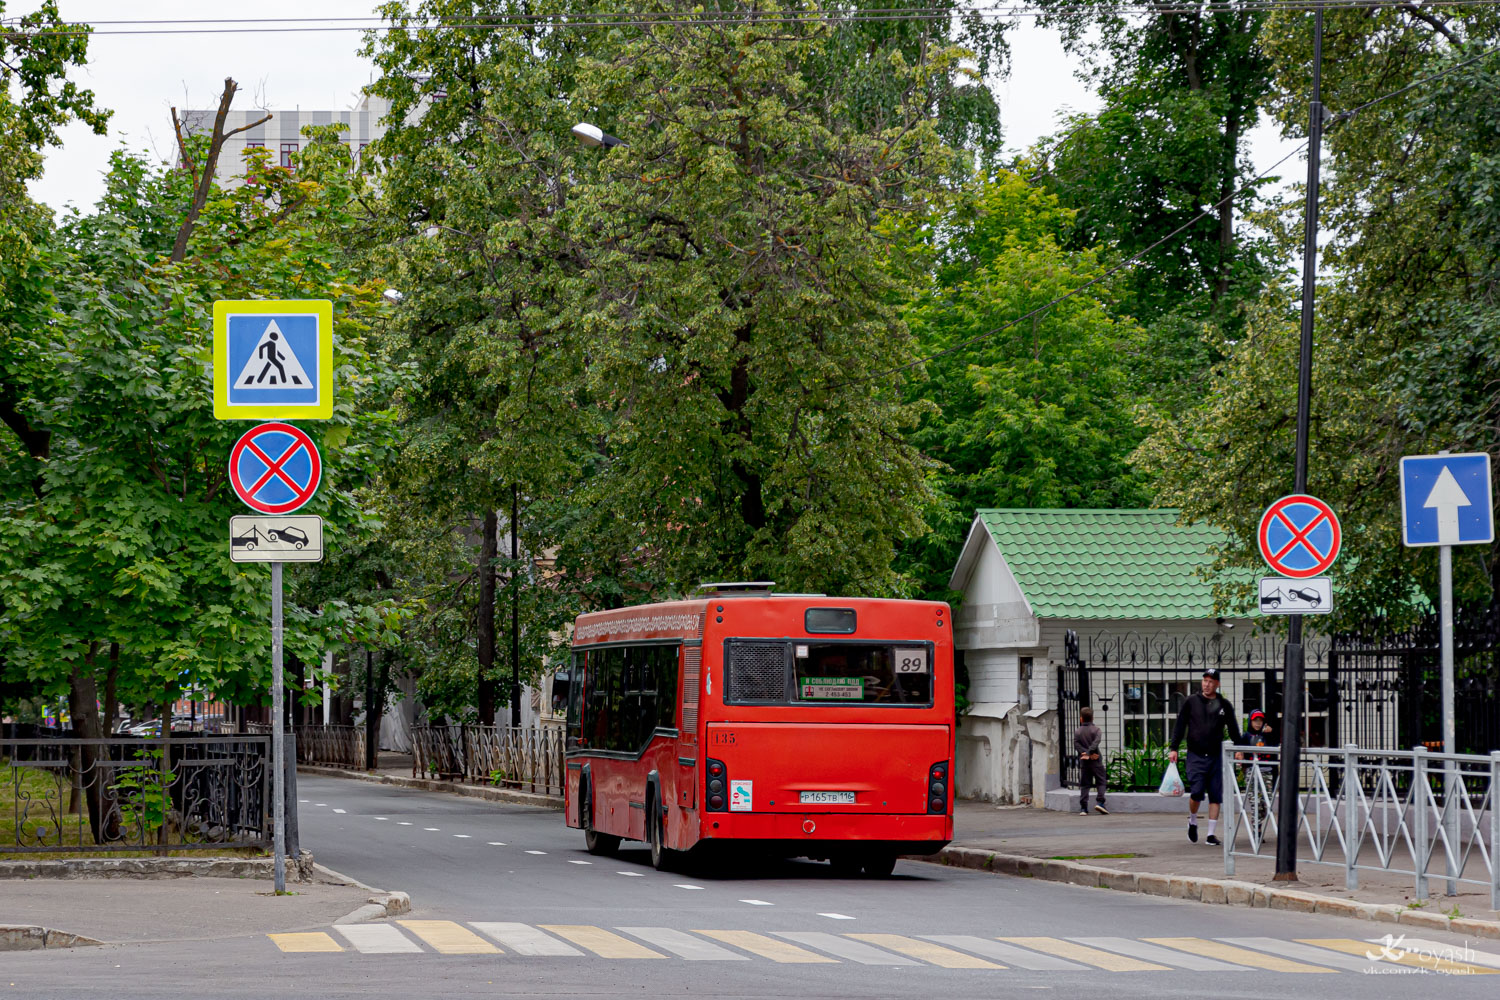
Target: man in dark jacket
x: 1090, y: 762
x: 1204, y: 717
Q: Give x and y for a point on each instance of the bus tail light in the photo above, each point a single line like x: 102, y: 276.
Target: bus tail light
x: 937, y: 787
x: 717, y: 799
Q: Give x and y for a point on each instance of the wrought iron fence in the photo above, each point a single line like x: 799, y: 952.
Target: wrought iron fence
x: 331, y: 746
x: 1407, y: 812
x: 68, y: 794
x: 505, y: 756
x: 1135, y: 683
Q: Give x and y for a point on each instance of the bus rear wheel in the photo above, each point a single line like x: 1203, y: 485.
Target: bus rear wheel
x: 596, y: 843
x: 880, y: 865
x: 663, y: 858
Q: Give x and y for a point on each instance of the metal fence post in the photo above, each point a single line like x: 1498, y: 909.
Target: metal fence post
x: 1353, y: 828
x: 1226, y: 751
x: 1494, y: 829
x: 1420, y: 791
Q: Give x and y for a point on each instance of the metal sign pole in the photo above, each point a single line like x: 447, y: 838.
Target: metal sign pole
x: 1450, y: 733
x: 278, y: 745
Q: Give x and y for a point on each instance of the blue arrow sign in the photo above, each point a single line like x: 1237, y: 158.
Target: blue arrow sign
x: 1446, y: 500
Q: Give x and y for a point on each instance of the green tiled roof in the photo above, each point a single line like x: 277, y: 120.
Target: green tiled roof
x: 1107, y: 563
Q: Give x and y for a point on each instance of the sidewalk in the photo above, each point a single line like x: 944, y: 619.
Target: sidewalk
x: 1157, y: 843
x: 180, y: 909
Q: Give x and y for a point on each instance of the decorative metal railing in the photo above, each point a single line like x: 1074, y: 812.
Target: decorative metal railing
x: 115, y: 794
x: 1427, y: 815
x: 530, y: 760
x: 331, y: 746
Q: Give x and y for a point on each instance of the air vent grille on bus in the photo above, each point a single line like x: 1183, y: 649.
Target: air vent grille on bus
x: 692, y: 659
x: 757, y: 671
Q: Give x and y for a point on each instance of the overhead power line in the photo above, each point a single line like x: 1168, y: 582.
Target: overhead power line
x: 594, y: 19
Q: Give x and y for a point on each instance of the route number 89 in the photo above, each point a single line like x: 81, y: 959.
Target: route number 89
x: 911, y: 661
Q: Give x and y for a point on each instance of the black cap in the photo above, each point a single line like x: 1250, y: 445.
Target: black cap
x: 1211, y: 672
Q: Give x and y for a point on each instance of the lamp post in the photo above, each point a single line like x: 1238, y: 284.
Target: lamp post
x: 593, y: 135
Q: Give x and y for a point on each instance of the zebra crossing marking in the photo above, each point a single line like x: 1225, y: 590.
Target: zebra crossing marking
x: 948, y: 951
x: 523, y: 939
x: 1108, y: 961
x: 1302, y: 952
x: 854, y: 951
x: 1467, y: 954
x: 449, y: 938
x: 927, y: 951
x: 1238, y: 956
x: 683, y: 944
x: 1163, y: 956
x: 600, y: 941
x: 377, y: 939
x: 311, y: 941
x: 765, y: 947
x: 1414, y: 959
x: 1008, y: 954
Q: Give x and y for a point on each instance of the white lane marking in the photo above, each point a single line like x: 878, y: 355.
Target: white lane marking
x: 461, y: 836
x: 536, y: 852
x: 580, y: 862
x: 497, y: 843
x: 383, y: 819
x: 402, y: 822
x: 340, y: 811
x: 524, y: 939
x: 683, y: 945
x: 854, y: 951
x: 757, y: 902
x: 432, y: 829
x: 1162, y: 956
x: 304, y: 800
x: 377, y: 939
x: 1007, y: 954
x: 684, y: 885
x: 836, y: 916
x: 632, y: 874
x: 320, y: 803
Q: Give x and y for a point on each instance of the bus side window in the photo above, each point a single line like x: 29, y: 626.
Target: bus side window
x: 666, y: 663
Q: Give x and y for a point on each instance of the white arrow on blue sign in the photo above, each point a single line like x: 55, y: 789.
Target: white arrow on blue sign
x: 1446, y: 500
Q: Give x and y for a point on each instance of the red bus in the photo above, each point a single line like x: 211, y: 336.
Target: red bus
x: 795, y: 724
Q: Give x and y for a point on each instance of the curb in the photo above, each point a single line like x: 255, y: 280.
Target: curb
x: 432, y: 785
x: 1228, y: 892
x: 379, y: 907
x: 29, y: 937
x: 74, y: 868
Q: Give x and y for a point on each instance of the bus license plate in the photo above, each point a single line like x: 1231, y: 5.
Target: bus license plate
x: 821, y: 798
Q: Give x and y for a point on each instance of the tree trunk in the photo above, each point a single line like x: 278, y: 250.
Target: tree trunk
x: 83, y: 705
x: 111, y: 690
x: 488, y: 687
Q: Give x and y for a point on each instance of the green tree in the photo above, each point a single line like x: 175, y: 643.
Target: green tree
x: 1405, y: 346
x: 1042, y: 413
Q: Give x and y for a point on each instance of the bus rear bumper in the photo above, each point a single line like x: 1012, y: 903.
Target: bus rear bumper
x: 809, y: 834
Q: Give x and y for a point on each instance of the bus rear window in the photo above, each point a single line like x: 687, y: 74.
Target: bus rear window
x: 862, y: 673
x: 828, y: 673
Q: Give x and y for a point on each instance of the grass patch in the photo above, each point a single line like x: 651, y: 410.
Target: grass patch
x: 1091, y: 857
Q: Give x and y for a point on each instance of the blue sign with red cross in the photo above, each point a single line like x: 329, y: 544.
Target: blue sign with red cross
x: 275, y: 468
x: 1300, y: 536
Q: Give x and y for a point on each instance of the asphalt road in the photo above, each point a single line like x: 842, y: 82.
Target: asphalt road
x: 537, y: 916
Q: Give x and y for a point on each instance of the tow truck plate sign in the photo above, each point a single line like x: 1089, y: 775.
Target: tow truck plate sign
x: 1282, y: 596
x: 276, y: 539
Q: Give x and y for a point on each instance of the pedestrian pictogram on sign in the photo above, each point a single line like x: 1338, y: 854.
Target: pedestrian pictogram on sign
x: 273, y: 359
x: 275, y: 468
x: 1299, y: 536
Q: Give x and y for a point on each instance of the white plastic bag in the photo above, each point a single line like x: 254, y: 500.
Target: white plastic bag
x: 1171, y: 782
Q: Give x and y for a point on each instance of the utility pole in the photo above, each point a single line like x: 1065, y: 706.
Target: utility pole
x: 515, y: 607
x: 1292, y: 684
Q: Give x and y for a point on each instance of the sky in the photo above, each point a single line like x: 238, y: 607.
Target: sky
x: 141, y: 77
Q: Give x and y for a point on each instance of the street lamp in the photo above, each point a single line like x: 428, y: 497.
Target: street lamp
x: 593, y: 135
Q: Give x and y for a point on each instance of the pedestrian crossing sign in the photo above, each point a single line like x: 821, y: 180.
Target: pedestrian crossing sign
x: 273, y: 359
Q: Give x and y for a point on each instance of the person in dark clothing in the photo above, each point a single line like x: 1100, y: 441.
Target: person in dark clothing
x: 1260, y: 734
x: 1204, y: 717
x: 1090, y: 762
